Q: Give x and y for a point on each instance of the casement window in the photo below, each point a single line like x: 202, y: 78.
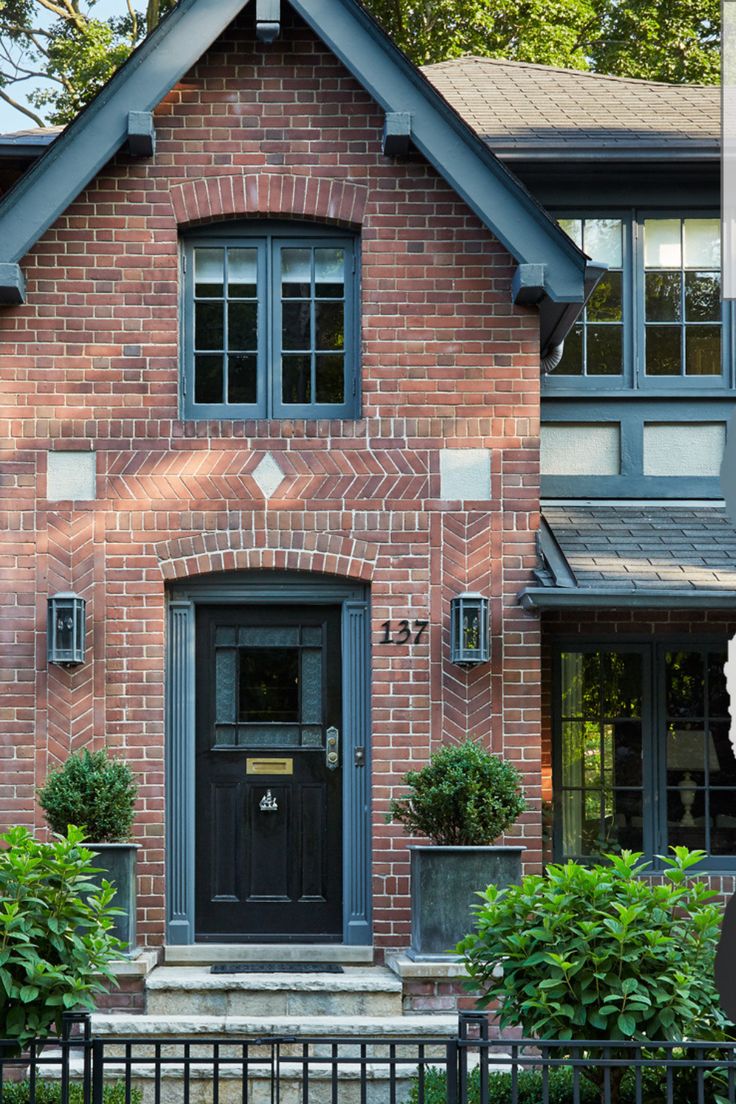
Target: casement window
x: 270, y: 326
x: 642, y: 754
x: 655, y: 320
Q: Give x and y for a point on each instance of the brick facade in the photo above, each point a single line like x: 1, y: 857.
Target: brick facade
x: 91, y: 361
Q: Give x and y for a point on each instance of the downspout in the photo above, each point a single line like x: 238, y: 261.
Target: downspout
x: 552, y: 357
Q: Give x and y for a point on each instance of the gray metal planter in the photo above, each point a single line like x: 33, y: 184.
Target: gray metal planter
x: 117, y: 862
x: 444, y: 883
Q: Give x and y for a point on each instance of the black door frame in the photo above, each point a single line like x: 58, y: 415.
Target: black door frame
x: 267, y: 588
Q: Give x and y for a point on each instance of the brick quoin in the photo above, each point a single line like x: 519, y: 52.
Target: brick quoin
x: 92, y: 361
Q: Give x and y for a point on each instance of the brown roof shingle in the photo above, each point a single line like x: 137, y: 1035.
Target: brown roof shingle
x: 517, y: 105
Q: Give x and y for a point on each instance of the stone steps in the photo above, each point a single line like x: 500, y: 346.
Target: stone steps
x: 359, y: 991
x: 153, y: 1027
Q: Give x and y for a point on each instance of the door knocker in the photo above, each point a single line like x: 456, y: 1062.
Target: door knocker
x: 268, y: 803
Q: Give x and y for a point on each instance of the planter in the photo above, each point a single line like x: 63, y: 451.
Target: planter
x: 117, y: 863
x: 444, y: 883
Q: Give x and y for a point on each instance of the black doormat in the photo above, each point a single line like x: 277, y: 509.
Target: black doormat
x: 276, y: 968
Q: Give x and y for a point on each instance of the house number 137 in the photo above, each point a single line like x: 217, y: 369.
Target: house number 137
x: 407, y: 631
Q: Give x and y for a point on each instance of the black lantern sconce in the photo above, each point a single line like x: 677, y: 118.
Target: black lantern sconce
x: 65, y: 629
x: 469, y: 644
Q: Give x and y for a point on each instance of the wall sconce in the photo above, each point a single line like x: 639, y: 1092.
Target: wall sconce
x: 65, y: 629
x: 469, y: 644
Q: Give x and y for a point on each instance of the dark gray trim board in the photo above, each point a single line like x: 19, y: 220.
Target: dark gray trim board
x: 437, y: 131
x: 541, y: 597
x: 264, y: 588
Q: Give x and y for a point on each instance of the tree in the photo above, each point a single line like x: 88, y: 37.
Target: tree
x: 68, y: 48
x: 74, y: 52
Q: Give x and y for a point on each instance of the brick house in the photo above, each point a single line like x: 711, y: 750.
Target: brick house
x: 274, y: 309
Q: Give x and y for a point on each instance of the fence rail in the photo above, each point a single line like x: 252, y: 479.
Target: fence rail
x: 468, y: 1068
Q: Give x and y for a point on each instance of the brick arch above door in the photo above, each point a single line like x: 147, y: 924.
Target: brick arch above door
x: 269, y: 195
x: 202, y: 553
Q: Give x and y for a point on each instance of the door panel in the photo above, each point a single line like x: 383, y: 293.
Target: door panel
x: 269, y: 808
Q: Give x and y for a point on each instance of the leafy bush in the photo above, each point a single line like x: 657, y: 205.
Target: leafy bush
x: 55, y: 942
x: 601, y: 952
x: 464, y: 795
x: 49, y: 1092
x: 561, y: 1089
x: 95, y: 793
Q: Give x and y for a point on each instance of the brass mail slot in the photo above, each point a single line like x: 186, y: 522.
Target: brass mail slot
x: 269, y: 766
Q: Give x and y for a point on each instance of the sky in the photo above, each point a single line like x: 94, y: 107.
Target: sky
x: 10, y: 119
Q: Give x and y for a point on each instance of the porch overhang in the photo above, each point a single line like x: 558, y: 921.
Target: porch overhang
x: 548, y: 598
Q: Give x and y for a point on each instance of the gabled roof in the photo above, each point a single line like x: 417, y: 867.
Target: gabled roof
x: 558, y: 273
x: 523, y: 109
x: 649, y: 555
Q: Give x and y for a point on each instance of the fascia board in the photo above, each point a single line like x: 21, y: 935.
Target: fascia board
x: 88, y: 143
x: 540, y: 598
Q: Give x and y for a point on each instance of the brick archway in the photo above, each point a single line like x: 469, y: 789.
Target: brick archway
x: 270, y: 195
x: 325, y: 553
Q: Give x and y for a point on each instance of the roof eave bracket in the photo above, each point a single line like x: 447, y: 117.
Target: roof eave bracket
x: 141, y: 134
x: 268, y: 20
x: 527, y: 284
x: 396, y: 133
x: 12, y: 284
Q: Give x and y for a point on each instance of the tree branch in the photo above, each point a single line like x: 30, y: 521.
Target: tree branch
x: 20, y: 107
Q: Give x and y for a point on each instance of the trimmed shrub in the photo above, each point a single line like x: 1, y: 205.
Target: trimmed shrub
x: 94, y: 792
x: 463, y: 796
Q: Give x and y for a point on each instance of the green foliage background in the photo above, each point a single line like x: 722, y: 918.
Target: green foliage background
x: 77, y: 51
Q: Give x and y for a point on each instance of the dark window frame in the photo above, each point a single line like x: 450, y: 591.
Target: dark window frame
x: 634, y: 379
x: 653, y: 717
x: 270, y: 236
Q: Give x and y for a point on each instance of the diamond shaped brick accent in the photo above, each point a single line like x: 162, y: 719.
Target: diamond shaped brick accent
x: 268, y: 475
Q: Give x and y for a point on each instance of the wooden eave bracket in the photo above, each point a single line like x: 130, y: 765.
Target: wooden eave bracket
x: 141, y: 134
x: 396, y: 133
x: 12, y: 284
x: 268, y: 20
x: 527, y: 284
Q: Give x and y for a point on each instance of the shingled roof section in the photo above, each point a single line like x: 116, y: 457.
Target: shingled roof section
x: 643, y: 548
x: 517, y: 106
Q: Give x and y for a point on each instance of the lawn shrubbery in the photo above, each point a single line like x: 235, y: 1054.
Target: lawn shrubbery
x: 49, y: 1092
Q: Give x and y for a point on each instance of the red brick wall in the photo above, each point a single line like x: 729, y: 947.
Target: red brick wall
x: 643, y: 625
x: 92, y: 361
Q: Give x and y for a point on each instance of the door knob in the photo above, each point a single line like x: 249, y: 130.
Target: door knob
x: 333, y: 748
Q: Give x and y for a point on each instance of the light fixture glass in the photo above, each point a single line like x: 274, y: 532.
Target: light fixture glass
x: 469, y: 637
x: 65, y: 629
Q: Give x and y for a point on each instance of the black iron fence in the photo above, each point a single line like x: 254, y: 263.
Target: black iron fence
x: 468, y: 1067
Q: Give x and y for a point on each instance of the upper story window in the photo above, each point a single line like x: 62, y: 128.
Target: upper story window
x: 655, y: 320
x: 270, y: 323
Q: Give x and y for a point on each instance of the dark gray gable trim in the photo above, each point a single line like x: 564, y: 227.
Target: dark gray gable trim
x: 12, y: 284
x: 540, y: 598
x: 437, y: 131
x: 502, y: 203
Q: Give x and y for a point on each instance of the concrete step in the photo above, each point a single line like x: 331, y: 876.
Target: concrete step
x: 204, y: 954
x: 194, y: 991
x: 138, y: 1028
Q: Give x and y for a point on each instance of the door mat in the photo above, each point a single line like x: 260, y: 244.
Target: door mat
x: 276, y: 968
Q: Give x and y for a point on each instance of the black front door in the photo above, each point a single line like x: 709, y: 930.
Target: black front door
x: 268, y: 774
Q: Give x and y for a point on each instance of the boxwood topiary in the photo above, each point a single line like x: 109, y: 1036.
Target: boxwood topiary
x: 463, y: 796
x: 94, y: 792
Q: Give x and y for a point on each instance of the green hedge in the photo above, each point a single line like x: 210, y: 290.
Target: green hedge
x: 49, y: 1092
x: 560, y: 1085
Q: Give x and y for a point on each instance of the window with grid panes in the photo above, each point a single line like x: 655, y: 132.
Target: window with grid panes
x: 270, y: 325
x: 656, y: 316
x: 595, y: 346
x: 643, y: 759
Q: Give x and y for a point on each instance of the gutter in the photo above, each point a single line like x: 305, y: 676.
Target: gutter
x: 543, y: 598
